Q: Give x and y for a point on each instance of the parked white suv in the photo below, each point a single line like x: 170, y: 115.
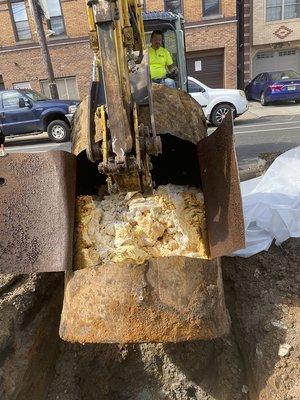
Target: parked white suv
x: 217, y: 102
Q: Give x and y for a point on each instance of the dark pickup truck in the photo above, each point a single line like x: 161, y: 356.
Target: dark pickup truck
x: 24, y: 111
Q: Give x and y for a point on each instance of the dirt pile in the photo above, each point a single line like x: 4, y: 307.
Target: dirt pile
x: 29, y: 343
x: 262, y: 295
x: 263, y: 300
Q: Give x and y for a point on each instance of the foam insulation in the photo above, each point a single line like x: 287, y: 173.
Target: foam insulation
x: 170, y: 222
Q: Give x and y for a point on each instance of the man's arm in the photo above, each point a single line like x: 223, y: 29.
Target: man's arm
x: 170, y: 64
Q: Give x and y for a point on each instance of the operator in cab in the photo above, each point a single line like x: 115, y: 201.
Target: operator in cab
x: 161, y: 62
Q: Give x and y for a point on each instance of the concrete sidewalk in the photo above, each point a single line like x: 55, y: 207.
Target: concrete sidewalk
x: 256, y: 110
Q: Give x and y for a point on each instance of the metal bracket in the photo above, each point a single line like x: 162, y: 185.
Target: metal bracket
x: 105, y: 11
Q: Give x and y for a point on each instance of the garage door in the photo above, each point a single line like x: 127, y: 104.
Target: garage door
x: 266, y: 61
x: 207, y: 67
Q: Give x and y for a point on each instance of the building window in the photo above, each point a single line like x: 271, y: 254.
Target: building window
x: 287, y: 53
x: 291, y: 9
x: 67, y: 88
x: 22, y: 85
x: 56, y: 19
x: 173, y: 5
x: 21, y: 20
x: 260, y: 56
x: 211, y: 8
x: 282, y: 9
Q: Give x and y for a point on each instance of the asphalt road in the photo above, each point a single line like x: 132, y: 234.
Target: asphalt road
x: 252, y: 137
x: 265, y: 134
x: 34, y: 144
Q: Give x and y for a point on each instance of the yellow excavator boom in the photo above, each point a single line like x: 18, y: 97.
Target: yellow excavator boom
x: 118, y: 42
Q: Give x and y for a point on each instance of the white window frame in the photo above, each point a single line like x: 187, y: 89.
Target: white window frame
x: 283, y: 5
x: 15, y: 22
x: 64, y: 78
x: 213, y: 15
x: 22, y: 85
x: 166, y: 9
x: 52, y: 17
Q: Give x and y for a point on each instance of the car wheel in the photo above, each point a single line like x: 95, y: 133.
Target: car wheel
x: 219, y: 112
x: 58, y: 131
x: 263, y: 100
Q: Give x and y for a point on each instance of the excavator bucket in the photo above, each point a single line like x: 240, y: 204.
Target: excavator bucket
x: 37, y: 196
x: 167, y: 299
x: 221, y: 190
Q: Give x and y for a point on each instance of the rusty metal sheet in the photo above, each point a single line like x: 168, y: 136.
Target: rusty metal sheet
x: 221, y: 190
x: 168, y: 299
x: 37, y: 212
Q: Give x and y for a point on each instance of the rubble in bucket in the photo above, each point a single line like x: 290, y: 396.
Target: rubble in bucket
x: 170, y: 222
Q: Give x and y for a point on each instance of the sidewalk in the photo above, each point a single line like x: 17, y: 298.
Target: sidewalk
x: 256, y: 110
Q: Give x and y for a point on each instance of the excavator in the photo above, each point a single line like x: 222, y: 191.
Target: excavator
x: 126, y: 149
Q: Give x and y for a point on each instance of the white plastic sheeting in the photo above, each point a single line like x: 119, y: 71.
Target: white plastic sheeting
x: 271, y: 204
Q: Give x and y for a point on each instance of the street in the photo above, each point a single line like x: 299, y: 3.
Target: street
x: 252, y: 137
x: 34, y: 144
x: 268, y: 134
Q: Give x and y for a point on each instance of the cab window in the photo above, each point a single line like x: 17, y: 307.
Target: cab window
x: 11, y: 99
x: 193, y: 87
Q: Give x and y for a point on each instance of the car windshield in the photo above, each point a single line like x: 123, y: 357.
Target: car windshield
x: 34, y: 96
x: 284, y: 75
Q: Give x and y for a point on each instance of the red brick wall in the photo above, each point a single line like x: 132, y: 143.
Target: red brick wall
x: 68, y: 60
x: 192, y: 9
x: 216, y: 37
x: 74, y: 12
x: 154, y: 5
x: 18, y: 64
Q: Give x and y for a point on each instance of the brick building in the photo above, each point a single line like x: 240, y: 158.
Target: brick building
x: 211, y: 41
x: 271, y: 36
x: 20, y: 59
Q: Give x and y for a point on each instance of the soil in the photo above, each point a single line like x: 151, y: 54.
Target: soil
x: 262, y: 298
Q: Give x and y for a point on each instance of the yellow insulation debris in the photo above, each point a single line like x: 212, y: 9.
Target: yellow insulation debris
x: 136, y: 228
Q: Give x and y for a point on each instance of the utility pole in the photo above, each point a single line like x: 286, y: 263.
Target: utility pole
x: 36, y: 14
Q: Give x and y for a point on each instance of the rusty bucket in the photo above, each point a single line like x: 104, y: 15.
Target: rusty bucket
x: 169, y: 299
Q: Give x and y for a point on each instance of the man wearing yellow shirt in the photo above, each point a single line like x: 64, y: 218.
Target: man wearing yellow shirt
x: 161, y: 62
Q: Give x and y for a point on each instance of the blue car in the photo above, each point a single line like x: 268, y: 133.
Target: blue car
x: 269, y: 87
x: 25, y: 111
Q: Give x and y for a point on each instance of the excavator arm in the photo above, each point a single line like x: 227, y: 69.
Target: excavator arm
x: 117, y: 39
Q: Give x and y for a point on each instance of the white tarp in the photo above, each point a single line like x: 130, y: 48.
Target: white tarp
x: 271, y: 204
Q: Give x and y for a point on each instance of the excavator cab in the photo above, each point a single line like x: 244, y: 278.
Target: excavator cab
x: 172, y: 27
